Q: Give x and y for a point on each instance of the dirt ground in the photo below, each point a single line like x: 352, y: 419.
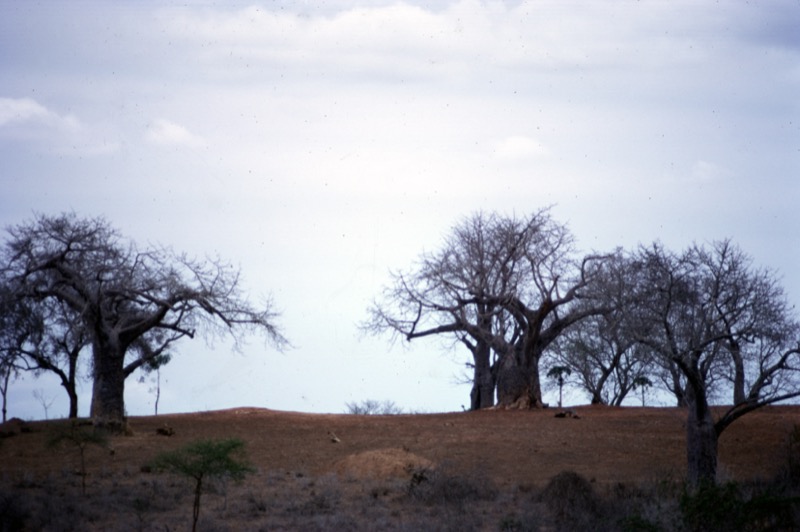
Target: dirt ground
x: 516, y: 450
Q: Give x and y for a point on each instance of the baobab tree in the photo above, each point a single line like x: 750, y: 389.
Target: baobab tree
x: 132, y: 304
x: 454, y: 293
x: 505, y: 287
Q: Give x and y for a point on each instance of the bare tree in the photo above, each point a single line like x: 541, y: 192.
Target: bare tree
x: 132, y: 304
x: 454, y: 293
x: 602, y: 349
x: 8, y: 369
x: 50, y: 338
x: 697, y: 320
x: 605, y: 361
x: 502, y: 286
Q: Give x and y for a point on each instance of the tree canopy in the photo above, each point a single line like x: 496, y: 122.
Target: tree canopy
x: 87, y: 285
x: 704, y: 324
x: 506, y: 288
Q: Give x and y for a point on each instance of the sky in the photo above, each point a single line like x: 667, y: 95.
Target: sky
x: 320, y: 145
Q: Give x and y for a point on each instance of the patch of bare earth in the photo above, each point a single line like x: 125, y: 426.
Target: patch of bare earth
x: 357, y: 472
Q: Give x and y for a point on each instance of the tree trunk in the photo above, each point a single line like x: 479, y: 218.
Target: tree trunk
x: 513, y: 388
x: 739, y: 396
x: 71, y: 385
x: 4, y: 389
x: 483, y: 382
x: 701, y: 440
x: 73, y: 402
x: 108, y: 392
x: 535, y: 388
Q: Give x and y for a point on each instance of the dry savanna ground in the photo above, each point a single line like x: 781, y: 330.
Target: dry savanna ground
x: 486, y: 470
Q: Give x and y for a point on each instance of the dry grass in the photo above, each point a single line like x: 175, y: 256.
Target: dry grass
x: 486, y: 470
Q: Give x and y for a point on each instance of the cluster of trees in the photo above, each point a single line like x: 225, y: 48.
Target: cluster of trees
x: 70, y: 285
x: 705, y: 324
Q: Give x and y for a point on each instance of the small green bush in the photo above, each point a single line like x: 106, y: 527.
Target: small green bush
x: 203, y: 460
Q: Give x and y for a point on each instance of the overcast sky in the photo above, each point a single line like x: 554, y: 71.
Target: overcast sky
x: 317, y: 145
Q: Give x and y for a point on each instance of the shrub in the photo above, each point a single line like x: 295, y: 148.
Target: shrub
x: 729, y: 507
x: 442, y: 486
x: 572, y: 502
x: 202, y: 460
x: 80, y: 438
x: 370, y: 407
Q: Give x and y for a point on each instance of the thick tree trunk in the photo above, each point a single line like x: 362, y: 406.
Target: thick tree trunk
x: 512, y: 387
x: 108, y: 392
x: 535, y: 389
x: 519, y: 388
x: 701, y: 441
x: 483, y: 383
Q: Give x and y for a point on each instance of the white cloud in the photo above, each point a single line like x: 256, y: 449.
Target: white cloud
x: 28, y: 120
x: 166, y: 133
x: 519, y: 147
x: 15, y: 110
x: 401, y: 39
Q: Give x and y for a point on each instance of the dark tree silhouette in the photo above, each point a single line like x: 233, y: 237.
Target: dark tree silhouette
x: 131, y: 304
x: 505, y: 287
x: 557, y: 373
x: 602, y: 350
x: 716, y: 318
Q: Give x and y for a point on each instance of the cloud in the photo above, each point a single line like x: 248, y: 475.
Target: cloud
x: 13, y: 110
x: 705, y: 172
x: 28, y: 120
x: 166, y: 133
x: 400, y: 40
x: 519, y: 147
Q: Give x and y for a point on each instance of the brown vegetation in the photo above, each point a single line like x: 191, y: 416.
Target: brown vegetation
x: 400, y: 471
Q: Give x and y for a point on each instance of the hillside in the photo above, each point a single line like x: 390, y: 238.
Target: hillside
x: 516, y: 452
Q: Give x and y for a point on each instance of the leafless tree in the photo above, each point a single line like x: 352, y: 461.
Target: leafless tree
x: 47, y: 337
x: 454, y: 292
x: 602, y: 350
x: 502, y: 286
x: 717, y: 319
x: 8, y: 370
x: 131, y: 304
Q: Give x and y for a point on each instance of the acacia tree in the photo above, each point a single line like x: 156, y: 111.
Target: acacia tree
x: 602, y: 349
x: 131, y: 304
x: 47, y: 337
x: 502, y: 287
x: 17, y: 325
x: 8, y: 370
x: 695, y: 314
